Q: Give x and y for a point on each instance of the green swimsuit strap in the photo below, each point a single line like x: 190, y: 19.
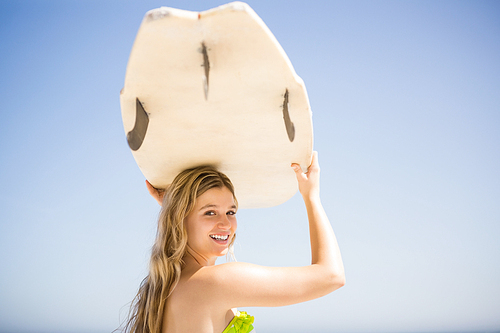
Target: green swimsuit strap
x: 241, y: 323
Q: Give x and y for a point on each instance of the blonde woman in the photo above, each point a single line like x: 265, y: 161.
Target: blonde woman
x: 186, y: 292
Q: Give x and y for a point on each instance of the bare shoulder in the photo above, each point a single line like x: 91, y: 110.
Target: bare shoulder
x: 201, y: 285
x: 214, y: 284
x: 222, y: 274
x: 209, y: 279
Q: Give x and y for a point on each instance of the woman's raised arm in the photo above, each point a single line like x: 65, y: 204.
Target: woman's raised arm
x: 238, y: 284
x: 325, y: 251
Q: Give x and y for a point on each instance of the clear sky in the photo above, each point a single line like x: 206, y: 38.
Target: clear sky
x: 406, y: 110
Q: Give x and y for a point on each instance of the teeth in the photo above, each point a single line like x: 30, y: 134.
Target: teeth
x: 219, y: 237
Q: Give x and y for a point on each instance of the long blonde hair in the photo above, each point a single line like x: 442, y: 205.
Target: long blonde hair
x: 146, y: 313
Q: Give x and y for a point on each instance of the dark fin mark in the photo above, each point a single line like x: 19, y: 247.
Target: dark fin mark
x: 136, y: 136
x: 290, y: 128
x: 206, y: 64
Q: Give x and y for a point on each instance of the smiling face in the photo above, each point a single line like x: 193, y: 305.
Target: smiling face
x: 211, y: 225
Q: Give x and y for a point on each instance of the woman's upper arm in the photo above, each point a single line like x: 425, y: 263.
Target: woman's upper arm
x: 242, y: 284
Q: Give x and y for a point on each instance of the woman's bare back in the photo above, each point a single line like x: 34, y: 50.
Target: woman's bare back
x: 189, y: 310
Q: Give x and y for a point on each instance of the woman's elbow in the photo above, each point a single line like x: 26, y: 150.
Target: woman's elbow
x: 340, y: 281
x: 336, y: 280
x: 329, y: 279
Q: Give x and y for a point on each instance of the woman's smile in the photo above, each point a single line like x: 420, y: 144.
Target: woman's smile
x: 220, y: 238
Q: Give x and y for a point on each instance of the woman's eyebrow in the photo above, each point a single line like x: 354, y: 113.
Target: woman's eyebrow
x: 214, y: 206
x: 209, y: 206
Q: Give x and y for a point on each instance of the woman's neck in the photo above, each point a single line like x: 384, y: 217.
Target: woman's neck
x: 194, y: 258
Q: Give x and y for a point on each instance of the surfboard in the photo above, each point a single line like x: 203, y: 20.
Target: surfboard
x: 216, y: 88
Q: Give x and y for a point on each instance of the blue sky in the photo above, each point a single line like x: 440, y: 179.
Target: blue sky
x: 406, y: 111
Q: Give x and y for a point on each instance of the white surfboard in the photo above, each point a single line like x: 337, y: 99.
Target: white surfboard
x: 215, y: 87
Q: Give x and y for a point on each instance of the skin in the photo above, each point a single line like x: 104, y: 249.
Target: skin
x: 207, y: 295
x: 213, y: 216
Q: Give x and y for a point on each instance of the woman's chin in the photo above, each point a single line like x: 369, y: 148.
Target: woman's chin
x: 223, y: 253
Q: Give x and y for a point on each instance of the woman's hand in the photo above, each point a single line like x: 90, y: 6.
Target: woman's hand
x: 308, y: 181
x: 157, y: 194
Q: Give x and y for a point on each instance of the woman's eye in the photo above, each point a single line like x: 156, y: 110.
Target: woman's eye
x: 231, y: 212
x: 210, y: 213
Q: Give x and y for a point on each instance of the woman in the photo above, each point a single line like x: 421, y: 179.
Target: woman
x: 186, y: 292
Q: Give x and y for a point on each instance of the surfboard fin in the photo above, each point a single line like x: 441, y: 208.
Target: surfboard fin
x: 290, y: 128
x: 206, y: 65
x: 136, y: 136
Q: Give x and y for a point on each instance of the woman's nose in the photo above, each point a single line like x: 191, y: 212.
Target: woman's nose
x: 224, y: 222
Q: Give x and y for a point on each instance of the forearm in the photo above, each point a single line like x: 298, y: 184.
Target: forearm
x: 325, y: 251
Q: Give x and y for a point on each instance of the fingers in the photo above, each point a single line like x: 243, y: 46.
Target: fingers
x: 315, y: 159
x: 298, y: 172
x: 314, y: 165
x: 309, y: 181
x: 296, y: 167
x: 155, y: 193
x: 151, y: 189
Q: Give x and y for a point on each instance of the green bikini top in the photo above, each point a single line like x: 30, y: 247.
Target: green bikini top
x: 241, y: 323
